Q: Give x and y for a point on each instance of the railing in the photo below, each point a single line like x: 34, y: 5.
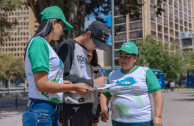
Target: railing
x: 9, y: 90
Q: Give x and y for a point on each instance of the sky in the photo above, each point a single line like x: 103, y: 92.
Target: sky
x: 106, y: 18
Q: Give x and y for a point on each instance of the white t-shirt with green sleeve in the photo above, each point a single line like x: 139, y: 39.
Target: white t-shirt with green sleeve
x: 40, y: 56
x: 131, y: 97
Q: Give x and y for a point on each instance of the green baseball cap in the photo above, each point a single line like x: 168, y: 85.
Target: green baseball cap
x: 54, y: 12
x: 129, y: 47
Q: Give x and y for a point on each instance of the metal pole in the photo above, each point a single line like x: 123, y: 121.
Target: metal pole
x: 16, y: 102
x: 112, y: 33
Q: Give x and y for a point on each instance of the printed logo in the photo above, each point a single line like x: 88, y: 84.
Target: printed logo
x: 82, y: 60
x: 128, y: 81
x: 126, y: 45
x: 75, y: 108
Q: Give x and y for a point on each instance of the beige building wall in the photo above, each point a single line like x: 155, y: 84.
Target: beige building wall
x: 178, y: 17
x: 105, y: 58
x: 21, y: 34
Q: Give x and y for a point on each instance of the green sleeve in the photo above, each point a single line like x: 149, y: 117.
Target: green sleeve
x: 38, y: 54
x: 152, y: 81
x: 107, y: 93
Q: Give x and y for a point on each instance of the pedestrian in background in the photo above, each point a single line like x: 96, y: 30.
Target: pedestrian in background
x: 172, y: 85
x: 131, y: 105
x: 44, y: 71
x: 77, y: 109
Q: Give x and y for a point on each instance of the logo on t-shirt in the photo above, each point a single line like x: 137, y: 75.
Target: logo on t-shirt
x: 128, y: 81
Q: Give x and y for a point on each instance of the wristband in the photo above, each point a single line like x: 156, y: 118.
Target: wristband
x: 158, y: 116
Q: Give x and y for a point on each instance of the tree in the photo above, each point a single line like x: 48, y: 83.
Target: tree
x: 11, y: 68
x: 154, y: 56
x: 76, y: 10
x: 5, y: 25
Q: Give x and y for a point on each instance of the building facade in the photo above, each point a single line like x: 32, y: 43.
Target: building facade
x: 176, y: 18
x: 186, y: 41
x: 20, y: 34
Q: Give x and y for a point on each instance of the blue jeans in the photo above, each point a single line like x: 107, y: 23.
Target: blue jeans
x: 40, y: 113
x: 115, y: 123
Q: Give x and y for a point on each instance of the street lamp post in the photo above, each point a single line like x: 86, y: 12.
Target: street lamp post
x: 112, y: 33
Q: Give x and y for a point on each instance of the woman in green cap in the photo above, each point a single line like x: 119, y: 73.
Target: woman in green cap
x: 130, y: 97
x: 44, y: 71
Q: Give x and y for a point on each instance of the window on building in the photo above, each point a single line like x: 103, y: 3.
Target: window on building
x: 185, y: 23
x: 171, y: 17
x: 170, y: 2
x: 120, y: 36
x: 189, y: 5
x: 166, y: 38
x: 185, y: 3
x: 170, y: 9
x: 153, y: 17
x: 117, y: 62
x: 177, y: 34
x: 165, y: 14
x: 120, y: 28
x: 175, y: 4
x: 175, y: 11
x: 153, y: 33
x: 160, y: 28
x: 159, y: 20
x: 189, y: 11
x: 171, y: 24
x: 176, y: 19
x: 165, y: 30
x: 185, y: 9
x: 165, y: 22
x: 135, y: 25
x: 187, y: 42
x: 171, y: 39
x: 152, y: 9
x: 118, y: 45
x: 153, y: 26
x: 135, y: 17
x: 152, y: 1
x: 171, y: 32
x: 185, y: 16
x: 180, y: 7
x: 181, y: 28
x: 189, y: 18
x: 165, y: 6
x: 160, y: 36
x: 190, y: 26
x: 136, y: 34
x: 181, y: 21
x: 176, y: 26
x: 186, y: 29
x: 180, y: 1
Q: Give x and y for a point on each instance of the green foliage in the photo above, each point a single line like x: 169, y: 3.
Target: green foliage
x: 5, y: 25
x: 11, y: 67
x: 153, y: 55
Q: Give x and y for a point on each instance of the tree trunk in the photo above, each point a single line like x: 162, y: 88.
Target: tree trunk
x: 74, y: 11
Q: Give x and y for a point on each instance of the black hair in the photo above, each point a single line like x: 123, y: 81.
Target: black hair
x: 94, y: 61
x: 43, y: 30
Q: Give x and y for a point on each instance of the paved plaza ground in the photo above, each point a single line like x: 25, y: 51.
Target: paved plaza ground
x: 178, y: 110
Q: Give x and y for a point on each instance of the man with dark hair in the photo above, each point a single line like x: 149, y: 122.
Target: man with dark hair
x: 77, y: 109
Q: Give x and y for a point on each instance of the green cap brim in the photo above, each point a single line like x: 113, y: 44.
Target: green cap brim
x: 67, y: 25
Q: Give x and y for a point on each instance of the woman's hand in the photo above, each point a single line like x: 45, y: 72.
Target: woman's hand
x: 104, y: 115
x: 82, y: 88
x: 157, y: 121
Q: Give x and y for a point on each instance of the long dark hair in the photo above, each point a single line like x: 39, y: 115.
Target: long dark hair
x: 94, y: 61
x: 43, y: 30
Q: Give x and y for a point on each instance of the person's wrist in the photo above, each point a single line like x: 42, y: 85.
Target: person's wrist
x: 158, y: 115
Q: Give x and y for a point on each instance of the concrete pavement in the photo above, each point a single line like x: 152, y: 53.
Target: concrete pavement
x: 178, y: 110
